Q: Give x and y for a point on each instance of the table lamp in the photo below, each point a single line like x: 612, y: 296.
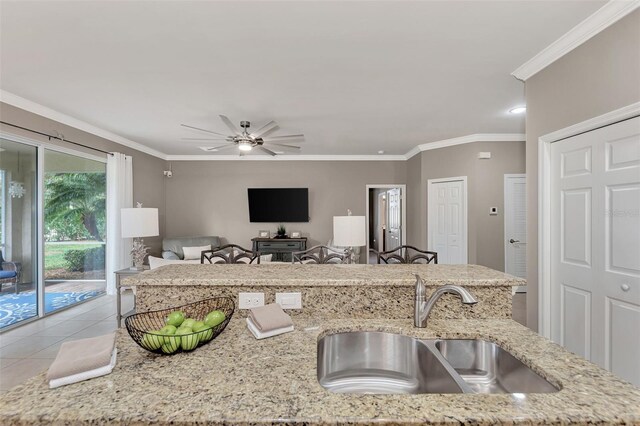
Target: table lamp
x: 138, y: 222
x: 349, y: 231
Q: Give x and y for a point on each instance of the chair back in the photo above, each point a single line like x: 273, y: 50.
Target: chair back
x: 230, y: 253
x: 407, y: 254
x: 318, y: 255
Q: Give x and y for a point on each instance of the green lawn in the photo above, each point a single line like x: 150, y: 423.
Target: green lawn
x: 54, y: 253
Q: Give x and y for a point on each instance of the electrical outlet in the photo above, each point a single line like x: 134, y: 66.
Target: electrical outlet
x: 250, y: 300
x: 289, y: 300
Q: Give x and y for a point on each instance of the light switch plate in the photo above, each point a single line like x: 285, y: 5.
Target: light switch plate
x: 250, y: 300
x: 289, y: 300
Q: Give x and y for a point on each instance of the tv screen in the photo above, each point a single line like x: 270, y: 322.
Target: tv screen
x: 278, y: 204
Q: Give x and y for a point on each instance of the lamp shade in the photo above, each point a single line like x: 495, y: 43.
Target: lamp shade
x: 349, y: 231
x: 139, y: 222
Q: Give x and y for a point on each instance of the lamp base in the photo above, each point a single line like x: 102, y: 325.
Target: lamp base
x: 138, y: 253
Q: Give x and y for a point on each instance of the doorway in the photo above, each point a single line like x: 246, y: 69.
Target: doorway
x: 386, y: 218
x: 447, y: 219
x: 515, y: 227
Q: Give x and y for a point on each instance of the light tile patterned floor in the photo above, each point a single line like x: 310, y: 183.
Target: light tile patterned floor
x: 28, y: 350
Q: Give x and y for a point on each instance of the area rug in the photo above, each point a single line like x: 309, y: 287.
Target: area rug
x: 18, y: 307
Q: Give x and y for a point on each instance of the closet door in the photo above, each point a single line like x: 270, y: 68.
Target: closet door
x: 595, y: 249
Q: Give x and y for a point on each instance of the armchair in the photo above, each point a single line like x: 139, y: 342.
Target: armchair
x: 9, y: 273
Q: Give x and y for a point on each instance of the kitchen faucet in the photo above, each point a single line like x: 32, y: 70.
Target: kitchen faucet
x: 423, y: 306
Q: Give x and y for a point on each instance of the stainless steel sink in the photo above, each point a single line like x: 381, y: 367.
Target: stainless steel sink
x: 386, y: 363
x: 382, y: 363
x: 487, y: 368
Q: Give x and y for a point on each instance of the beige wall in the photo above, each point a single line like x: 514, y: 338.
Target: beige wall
x: 485, y: 186
x: 148, y: 183
x: 597, y: 77
x: 210, y: 197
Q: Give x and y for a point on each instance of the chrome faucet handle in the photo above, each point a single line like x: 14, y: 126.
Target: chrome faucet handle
x: 421, y: 289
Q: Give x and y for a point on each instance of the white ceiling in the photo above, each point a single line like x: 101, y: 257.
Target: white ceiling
x: 354, y: 77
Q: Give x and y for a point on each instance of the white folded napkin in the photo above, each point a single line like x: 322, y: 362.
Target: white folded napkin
x: 85, y: 375
x: 264, y: 334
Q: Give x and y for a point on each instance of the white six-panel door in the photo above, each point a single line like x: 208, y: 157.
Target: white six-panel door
x: 447, y: 218
x: 595, y: 246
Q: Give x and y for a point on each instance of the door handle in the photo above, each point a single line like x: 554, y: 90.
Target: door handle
x: 514, y: 241
x: 625, y: 287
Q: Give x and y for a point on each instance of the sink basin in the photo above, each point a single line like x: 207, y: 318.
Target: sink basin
x: 382, y: 363
x: 385, y: 363
x: 487, y: 368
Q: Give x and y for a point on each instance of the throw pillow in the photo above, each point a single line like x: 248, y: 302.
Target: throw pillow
x: 194, y: 252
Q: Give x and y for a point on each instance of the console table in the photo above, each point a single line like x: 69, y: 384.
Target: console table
x: 280, y: 248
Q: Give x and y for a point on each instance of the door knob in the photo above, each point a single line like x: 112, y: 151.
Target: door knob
x: 514, y: 241
x: 625, y: 287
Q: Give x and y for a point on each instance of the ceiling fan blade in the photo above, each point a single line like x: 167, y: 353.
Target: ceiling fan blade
x: 204, y: 139
x: 283, y: 138
x: 220, y: 147
x: 203, y: 130
x: 282, y: 145
x: 229, y: 124
x: 268, y: 151
x: 265, y: 129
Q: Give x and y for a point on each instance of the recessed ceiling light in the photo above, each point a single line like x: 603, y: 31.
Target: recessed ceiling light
x: 518, y: 110
x: 381, y: 152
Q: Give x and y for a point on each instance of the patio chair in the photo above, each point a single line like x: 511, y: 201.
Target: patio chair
x: 9, y: 273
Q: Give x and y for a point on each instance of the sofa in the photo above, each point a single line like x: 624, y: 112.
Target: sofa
x: 172, y: 247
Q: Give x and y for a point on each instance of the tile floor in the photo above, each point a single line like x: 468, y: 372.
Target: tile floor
x: 28, y: 350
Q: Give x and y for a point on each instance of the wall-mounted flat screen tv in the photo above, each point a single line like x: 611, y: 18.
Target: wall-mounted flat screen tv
x: 278, y: 204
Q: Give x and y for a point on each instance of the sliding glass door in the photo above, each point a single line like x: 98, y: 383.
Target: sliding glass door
x: 18, y: 232
x: 74, y: 207
x: 52, y: 229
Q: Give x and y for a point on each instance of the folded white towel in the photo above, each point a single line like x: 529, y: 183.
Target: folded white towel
x: 264, y: 334
x: 86, y: 375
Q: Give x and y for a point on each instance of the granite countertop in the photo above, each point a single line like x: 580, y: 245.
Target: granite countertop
x: 322, y: 275
x: 238, y: 380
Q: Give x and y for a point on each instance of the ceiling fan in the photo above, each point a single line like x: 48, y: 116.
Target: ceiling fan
x: 246, y: 141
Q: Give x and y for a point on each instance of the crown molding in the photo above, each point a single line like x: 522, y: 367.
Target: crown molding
x: 478, y: 137
x: 36, y: 108
x: 601, y: 19
x: 286, y: 158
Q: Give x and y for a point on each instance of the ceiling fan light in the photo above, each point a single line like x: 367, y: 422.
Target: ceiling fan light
x: 244, y: 146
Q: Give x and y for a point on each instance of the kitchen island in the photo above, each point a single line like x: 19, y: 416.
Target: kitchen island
x: 237, y: 380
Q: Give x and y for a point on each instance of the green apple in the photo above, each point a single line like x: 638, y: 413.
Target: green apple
x: 214, y: 318
x: 188, y: 323
x: 188, y: 340
x: 175, y: 318
x: 168, y: 329
x: 152, y: 341
x: 204, y: 331
x: 171, y: 345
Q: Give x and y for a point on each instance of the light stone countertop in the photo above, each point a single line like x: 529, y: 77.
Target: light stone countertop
x: 238, y: 380
x: 286, y: 274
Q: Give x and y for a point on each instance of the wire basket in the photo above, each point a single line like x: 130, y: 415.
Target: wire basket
x: 140, y: 326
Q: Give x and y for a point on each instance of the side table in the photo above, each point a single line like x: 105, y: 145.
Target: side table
x: 127, y: 272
